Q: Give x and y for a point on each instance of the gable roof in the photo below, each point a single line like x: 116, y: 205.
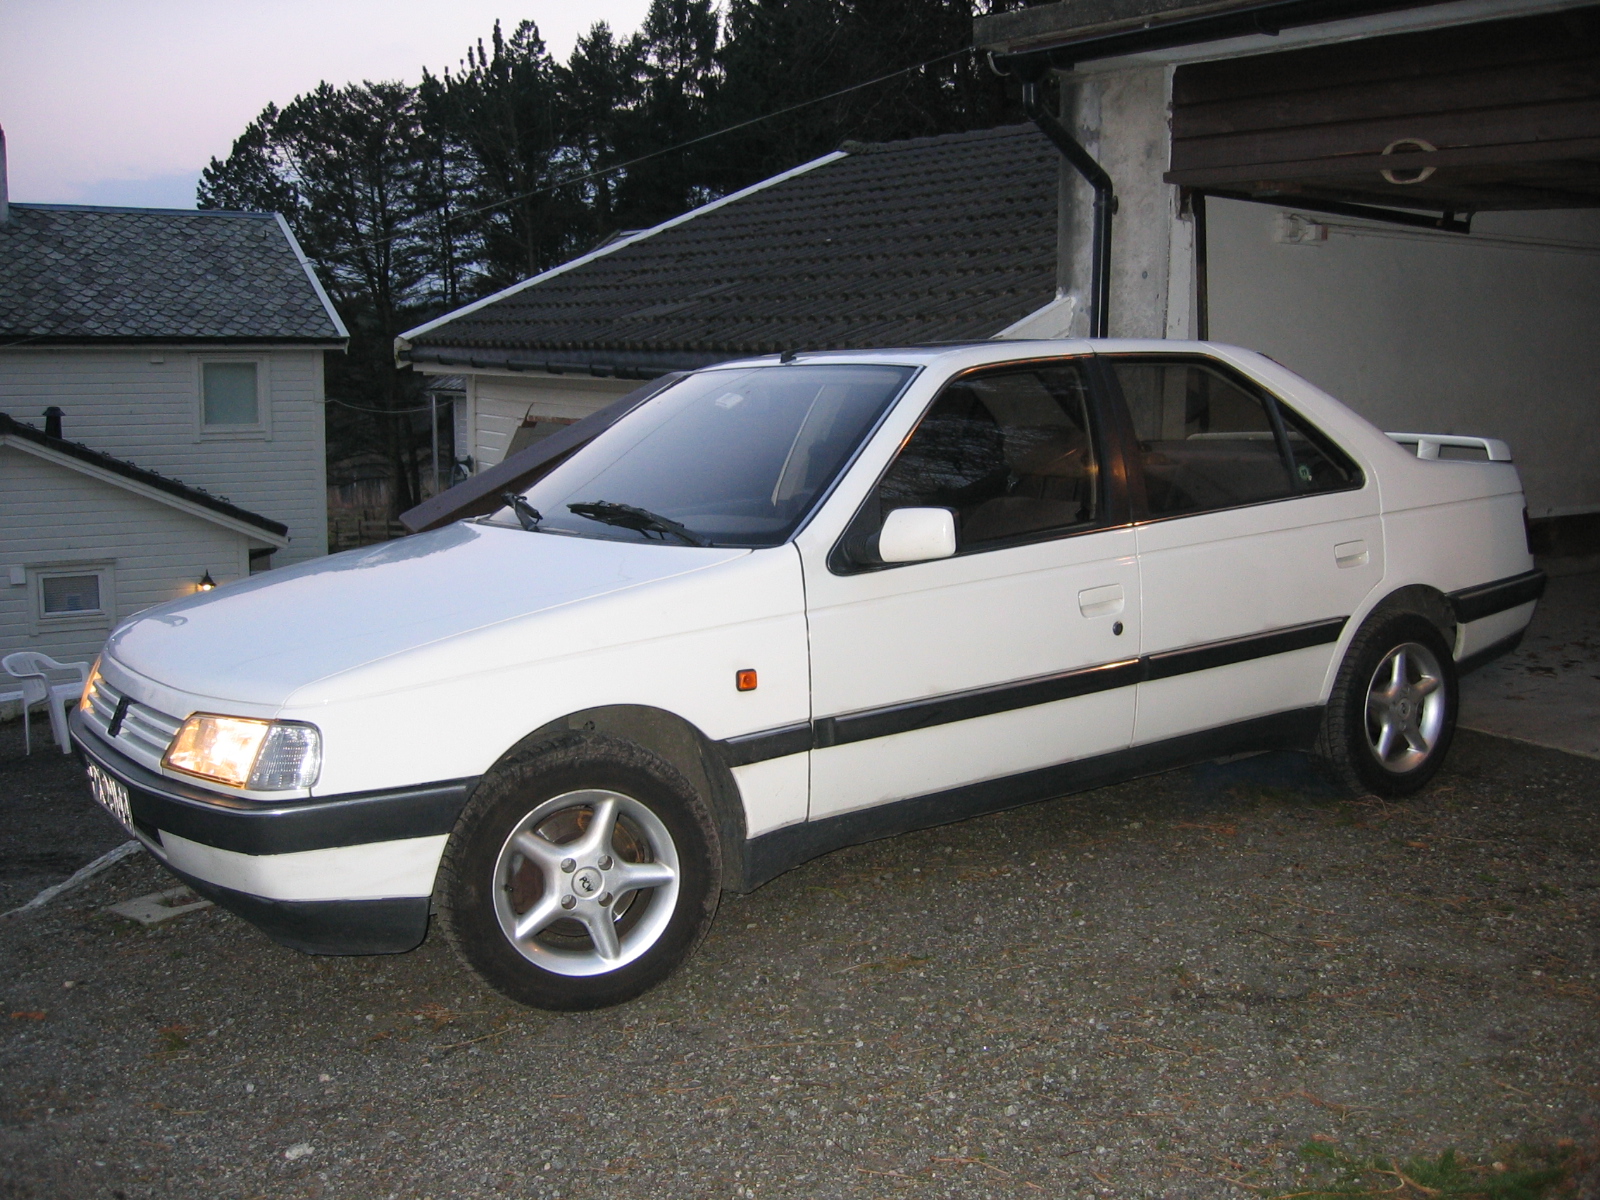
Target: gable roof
x: 119, y: 471
x: 932, y: 239
x: 74, y: 274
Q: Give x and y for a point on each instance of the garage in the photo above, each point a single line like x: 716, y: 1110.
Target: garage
x: 1403, y: 205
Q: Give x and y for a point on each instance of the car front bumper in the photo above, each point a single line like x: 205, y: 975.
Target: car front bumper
x: 350, y: 874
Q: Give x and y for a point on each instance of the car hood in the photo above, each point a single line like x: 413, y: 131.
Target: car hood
x: 259, y: 640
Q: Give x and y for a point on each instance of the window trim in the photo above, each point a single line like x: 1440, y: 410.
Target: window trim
x: 1103, y: 435
x: 261, y: 430
x: 41, y: 622
x: 1274, y: 404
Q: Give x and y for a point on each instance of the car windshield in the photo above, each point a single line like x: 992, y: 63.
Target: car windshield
x: 724, y: 458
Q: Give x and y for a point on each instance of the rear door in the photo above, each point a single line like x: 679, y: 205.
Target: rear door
x: 1257, y: 538
x: 1021, y: 650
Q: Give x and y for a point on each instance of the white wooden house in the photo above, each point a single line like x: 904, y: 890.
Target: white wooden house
x: 161, y: 411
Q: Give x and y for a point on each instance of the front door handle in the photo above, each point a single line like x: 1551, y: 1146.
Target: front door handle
x: 1101, y: 601
x: 1351, y: 554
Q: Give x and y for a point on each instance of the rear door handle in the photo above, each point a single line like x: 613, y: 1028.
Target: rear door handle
x: 1101, y: 601
x: 1351, y: 554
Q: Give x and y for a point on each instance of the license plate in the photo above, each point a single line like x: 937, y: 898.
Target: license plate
x: 112, y: 795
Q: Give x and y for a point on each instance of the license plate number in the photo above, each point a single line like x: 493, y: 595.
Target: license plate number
x: 112, y: 795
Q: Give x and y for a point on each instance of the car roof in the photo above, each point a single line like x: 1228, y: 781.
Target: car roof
x: 975, y: 353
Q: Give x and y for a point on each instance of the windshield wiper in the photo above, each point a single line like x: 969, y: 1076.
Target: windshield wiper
x: 527, y: 515
x: 608, y: 512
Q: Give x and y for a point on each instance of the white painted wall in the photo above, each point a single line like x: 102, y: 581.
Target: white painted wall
x: 498, y: 405
x: 1492, y: 334
x: 142, y: 404
x: 55, y: 515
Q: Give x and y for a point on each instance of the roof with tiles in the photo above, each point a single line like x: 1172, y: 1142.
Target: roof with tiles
x: 934, y: 239
x: 72, y: 274
x: 10, y: 426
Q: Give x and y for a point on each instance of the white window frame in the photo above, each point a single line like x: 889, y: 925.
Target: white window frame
x: 104, y: 617
x: 261, y: 431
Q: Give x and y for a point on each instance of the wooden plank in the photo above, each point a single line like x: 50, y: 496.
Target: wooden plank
x: 1496, y: 87
x: 1525, y: 40
x: 1357, y: 164
x: 1562, y: 121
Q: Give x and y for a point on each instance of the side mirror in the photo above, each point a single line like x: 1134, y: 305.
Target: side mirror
x: 917, y: 535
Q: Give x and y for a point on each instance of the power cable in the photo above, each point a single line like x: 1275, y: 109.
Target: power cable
x: 694, y: 141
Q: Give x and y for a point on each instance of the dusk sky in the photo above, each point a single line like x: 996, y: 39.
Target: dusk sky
x: 111, y: 102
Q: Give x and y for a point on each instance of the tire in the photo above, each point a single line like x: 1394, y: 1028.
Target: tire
x: 1392, y: 713
x: 534, y: 896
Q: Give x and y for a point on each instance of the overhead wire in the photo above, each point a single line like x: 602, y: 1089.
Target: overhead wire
x: 600, y: 172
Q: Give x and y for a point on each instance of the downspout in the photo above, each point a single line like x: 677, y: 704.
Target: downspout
x: 1105, y: 203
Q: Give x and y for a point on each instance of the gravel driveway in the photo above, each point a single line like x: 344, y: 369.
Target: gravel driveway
x: 1147, y: 990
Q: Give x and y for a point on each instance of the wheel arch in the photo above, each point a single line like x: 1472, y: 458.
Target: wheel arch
x: 680, y: 743
x: 1424, y: 601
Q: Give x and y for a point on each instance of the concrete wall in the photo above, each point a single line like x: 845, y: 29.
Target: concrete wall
x: 1494, y: 334
x: 56, y: 518
x: 142, y: 404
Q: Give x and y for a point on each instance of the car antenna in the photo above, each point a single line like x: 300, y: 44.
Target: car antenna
x: 788, y: 356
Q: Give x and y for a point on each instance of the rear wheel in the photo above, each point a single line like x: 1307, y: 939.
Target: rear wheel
x: 580, y: 875
x: 1392, y: 713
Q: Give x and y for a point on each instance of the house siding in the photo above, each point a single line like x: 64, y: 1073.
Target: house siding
x: 141, y: 404
x: 499, y: 405
x: 56, y: 515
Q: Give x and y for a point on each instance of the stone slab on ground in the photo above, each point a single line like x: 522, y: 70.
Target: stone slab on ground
x: 1548, y: 692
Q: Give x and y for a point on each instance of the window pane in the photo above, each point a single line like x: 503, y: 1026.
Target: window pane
x: 1205, y: 440
x: 230, y: 394
x: 71, y: 593
x: 1318, y: 464
x: 1009, y: 451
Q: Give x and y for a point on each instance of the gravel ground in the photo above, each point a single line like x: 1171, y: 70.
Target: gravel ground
x: 1147, y: 990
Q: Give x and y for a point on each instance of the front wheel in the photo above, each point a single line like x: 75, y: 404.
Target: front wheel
x: 580, y: 875
x: 1392, y: 712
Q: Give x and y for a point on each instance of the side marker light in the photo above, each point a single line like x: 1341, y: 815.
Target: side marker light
x: 745, y: 680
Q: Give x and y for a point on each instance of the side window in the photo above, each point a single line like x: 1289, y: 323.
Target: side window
x: 1010, y: 451
x: 1319, y: 466
x: 79, y: 595
x: 1209, y: 440
x: 233, y: 401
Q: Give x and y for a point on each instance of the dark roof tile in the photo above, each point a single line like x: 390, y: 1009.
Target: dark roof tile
x: 153, y: 479
x: 73, y: 274
x: 926, y: 240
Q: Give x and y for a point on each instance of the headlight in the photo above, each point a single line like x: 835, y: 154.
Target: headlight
x: 84, y: 699
x: 264, y: 756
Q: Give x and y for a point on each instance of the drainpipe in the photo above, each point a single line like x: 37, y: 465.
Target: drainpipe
x: 1105, y: 203
x: 5, y: 206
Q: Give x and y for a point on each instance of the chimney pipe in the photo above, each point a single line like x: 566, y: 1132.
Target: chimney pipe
x: 52, y: 421
x: 5, y: 202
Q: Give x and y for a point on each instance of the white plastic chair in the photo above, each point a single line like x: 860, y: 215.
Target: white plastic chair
x: 32, y: 670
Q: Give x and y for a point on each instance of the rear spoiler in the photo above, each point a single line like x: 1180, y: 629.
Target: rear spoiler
x: 1429, y: 444
x: 482, y: 492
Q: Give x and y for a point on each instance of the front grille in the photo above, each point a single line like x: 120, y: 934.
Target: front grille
x: 145, y: 733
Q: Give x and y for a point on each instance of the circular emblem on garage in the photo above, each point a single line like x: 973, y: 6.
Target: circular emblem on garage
x: 587, y: 882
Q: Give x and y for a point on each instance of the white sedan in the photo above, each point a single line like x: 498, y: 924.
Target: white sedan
x: 785, y: 605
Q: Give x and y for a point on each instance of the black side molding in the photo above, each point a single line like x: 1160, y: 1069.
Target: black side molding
x: 1023, y: 693
x: 771, y: 854
x: 283, y: 827
x: 1489, y: 653
x: 390, y: 926
x: 1486, y: 599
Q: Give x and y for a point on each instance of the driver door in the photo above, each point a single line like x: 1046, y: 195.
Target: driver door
x: 1018, y: 652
